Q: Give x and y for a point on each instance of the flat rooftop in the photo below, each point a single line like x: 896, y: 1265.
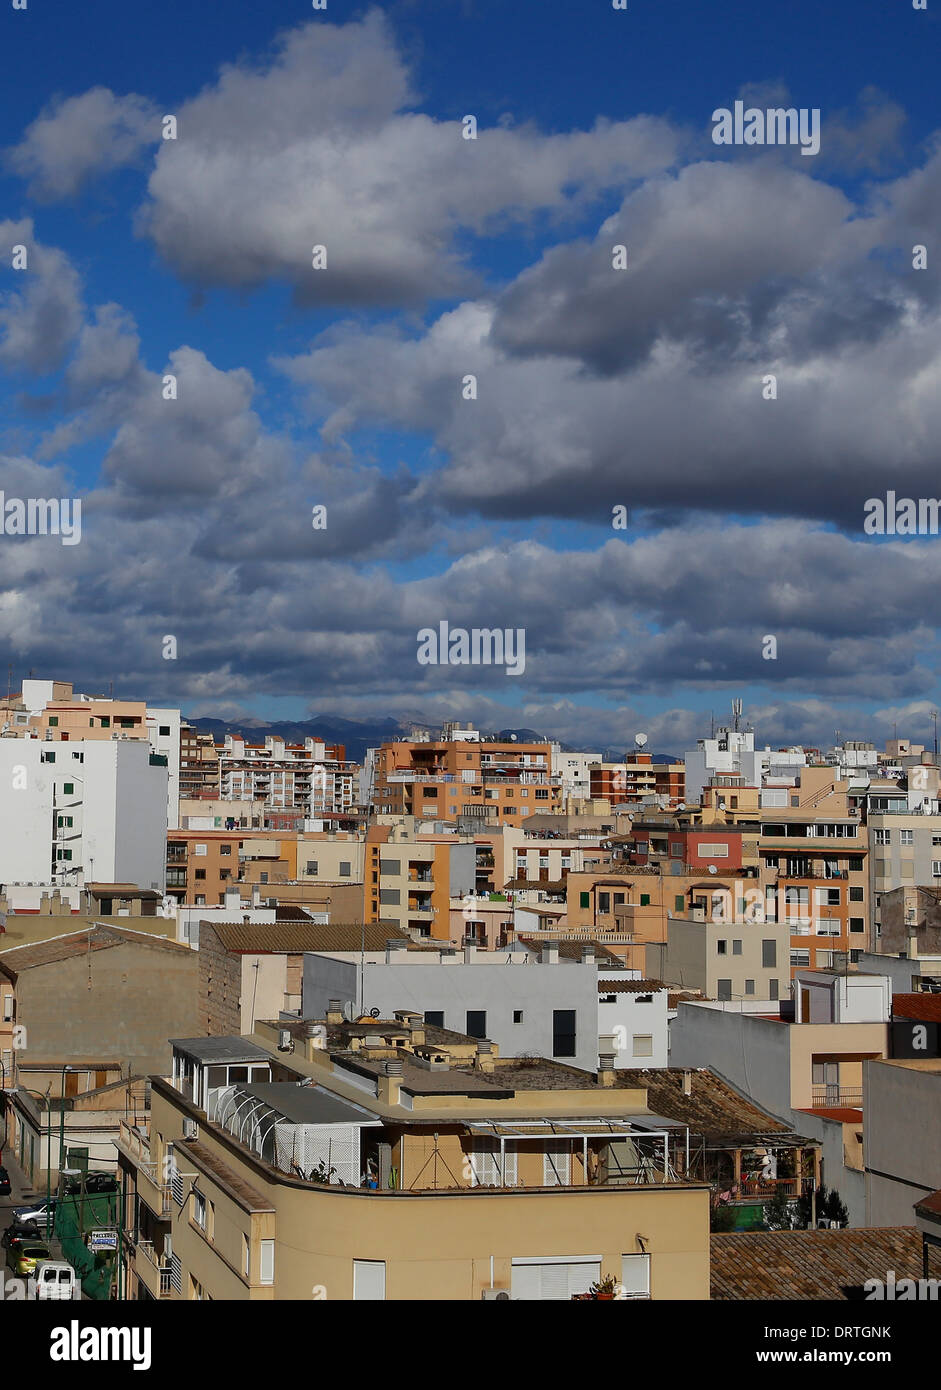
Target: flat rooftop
x: 221, y: 1049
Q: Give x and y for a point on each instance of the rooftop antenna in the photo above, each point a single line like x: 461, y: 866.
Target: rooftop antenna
x: 934, y: 717
x: 736, y: 713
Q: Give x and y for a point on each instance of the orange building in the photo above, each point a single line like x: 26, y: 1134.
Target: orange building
x: 493, y: 782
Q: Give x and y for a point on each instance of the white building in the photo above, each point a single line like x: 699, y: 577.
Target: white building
x: 92, y: 810
x: 732, y: 753
x: 573, y: 768
x: 287, y: 776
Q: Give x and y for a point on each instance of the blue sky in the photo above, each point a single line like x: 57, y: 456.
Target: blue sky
x: 293, y: 392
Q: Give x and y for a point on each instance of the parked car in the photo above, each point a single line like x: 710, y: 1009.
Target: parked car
x: 17, y: 1232
x: 94, y: 1183
x: 25, y: 1255
x: 55, y: 1279
x: 36, y: 1212
x: 5, y: 1188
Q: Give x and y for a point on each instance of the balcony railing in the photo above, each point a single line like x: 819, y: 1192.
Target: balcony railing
x: 836, y: 1098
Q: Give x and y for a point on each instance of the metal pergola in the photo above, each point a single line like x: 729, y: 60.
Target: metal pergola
x: 600, y: 1128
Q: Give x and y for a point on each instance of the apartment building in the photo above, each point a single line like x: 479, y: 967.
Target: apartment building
x: 201, y: 865
x: 481, y: 780
x: 902, y: 1139
x: 574, y: 770
x: 909, y: 941
x: 412, y: 877
x: 421, y: 1165
x: 52, y: 712
x: 905, y: 851
x: 312, y: 778
x: 731, y: 752
x: 199, y: 763
x: 78, y: 810
x: 639, y: 776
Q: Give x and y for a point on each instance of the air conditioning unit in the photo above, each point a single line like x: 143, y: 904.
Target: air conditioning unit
x: 190, y: 1129
x: 284, y: 1040
x: 488, y: 1294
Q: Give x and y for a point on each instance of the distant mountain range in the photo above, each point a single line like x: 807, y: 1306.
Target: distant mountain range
x: 358, y: 735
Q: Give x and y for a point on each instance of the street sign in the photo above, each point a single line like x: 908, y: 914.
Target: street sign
x: 102, y: 1240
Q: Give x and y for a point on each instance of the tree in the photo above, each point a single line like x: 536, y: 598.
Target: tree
x: 723, y: 1218
x: 778, y: 1213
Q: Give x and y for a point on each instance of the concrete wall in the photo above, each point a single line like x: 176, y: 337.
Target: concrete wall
x: 902, y: 1144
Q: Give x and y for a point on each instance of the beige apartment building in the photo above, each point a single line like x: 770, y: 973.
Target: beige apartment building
x: 412, y: 877
x: 421, y: 1166
x: 738, y: 959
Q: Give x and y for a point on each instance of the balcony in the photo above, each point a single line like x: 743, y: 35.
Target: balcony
x: 153, y: 1272
x: 836, y: 1098
x: 809, y: 871
x: 417, y: 909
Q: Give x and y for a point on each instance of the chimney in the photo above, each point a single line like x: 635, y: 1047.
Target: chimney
x: 470, y: 951
x: 549, y: 955
x: 606, y: 1076
x: 448, y: 955
x: 393, y: 946
x: 335, y: 1011
x: 485, y: 1055
x: 390, y: 1081
x: 687, y: 1083
x: 588, y: 954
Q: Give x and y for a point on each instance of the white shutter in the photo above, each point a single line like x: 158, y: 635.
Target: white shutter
x: 635, y: 1276
x: 485, y: 1165
x: 557, y: 1166
x: 552, y: 1280
x: 266, y: 1272
x: 369, y: 1280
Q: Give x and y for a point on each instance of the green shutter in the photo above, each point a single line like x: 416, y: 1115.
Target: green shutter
x: 678, y: 903
x: 645, y: 899
x: 584, y: 900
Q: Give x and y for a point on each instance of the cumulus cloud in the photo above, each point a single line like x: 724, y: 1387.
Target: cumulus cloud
x: 40, y: 306
x: 321, y: 145
x: 79, y: 138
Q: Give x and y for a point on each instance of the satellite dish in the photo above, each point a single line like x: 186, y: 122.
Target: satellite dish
x: 374, y: 1013
x: 713, y: 869
x: 640, y: 740
x: 512, y: 738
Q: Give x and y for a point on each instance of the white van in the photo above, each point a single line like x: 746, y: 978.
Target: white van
x: 55, y: 1279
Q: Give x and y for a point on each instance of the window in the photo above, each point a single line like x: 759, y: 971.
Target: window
x: 391, y: 897
x: 8, y: 1008
x: 855, y: 863
x: 936, y: 868
x: 718, y: 851
x: 106, y: 721
x: 267, y: 1262
x: 476, y: 1023
x: 723, y: 989
x: 557, y: 1165
x: 643, y: 1044
x: 563, y: 1033
x: 883, y: 837
x: 53, y: 721
x: 857, y: 924
x: 344, y: 868
x: 199, y: 850
x: 510, y: 810
x: 635, y: 1276
x: 604, y: 902
x: 800, y: 957
x: 200, y: 874
x: 769, y: 954
x: 48, y: 757
x: 678, y: 903
x: 434, y: 1018
x: 164, y: 730
x: 906, y: 837
x: 200, y: 900
x: 369, y: 1280
x: 645, y: 899
x: 246, y: 1255
x: 856, y: 895
x: 584, y: 900
x: 225, y: 849
x: 312, y: 869
x: 721, y: 947
x: 736, y: 948
x: 199, y: 1209
x: 749, y: 986
x: 772, y: 989
x: 517, y: 1015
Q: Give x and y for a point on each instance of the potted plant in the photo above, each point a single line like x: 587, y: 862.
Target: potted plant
x: 604, y: 1288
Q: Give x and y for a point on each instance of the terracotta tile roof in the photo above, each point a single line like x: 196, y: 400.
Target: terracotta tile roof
x: 20, y: 958
x: 814, y: 1264
x: 930, y: 1204
x: 630, y: 986
x: 572, y: 950
x: 923, y: 1007
x: 713, y: 1109
x: 846, y: 1116
x: 274, y: 938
